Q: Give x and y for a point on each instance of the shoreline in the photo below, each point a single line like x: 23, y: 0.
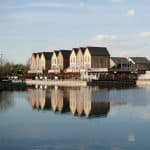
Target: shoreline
x: 21, y: 85
x: 79, y: 83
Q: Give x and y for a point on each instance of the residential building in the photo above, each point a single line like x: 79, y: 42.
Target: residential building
x: 63, y: 59
x: 120, y: 64
x: 40, y: 62
x: 45, y: 61
x: 73, y: 60
x: 140, y: 64
x: 96, y: 61
x: 33, y: 62
x: 54, y: 60
x: 59, y: 61
x: 96, y: 58
x: 80, y: 58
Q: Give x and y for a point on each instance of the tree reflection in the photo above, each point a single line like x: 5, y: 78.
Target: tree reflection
x: 5, y: 101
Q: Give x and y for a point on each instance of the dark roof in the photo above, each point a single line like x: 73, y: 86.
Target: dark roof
x: 75, y: 50
x: 140, y: 60
x: 34, y: 54
x: 48, y: 55
x: 56, y: 51
x: 120, y: 60
x: 82, y: 49
x: 98, y: 51
x: 39, y: 53
x: 66, y: 53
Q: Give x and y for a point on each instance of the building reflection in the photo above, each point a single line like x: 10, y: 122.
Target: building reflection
x: 78, y: 101
x: 39, y: 100
x: 59, y: 100
x: 81, y: 103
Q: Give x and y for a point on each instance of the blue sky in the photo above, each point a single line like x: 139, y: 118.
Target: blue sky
x: 28, y: 26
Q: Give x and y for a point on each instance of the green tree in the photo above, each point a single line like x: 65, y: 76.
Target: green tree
x: 11, y: 69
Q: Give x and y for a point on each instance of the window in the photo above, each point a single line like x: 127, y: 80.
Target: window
x: 119, y: 66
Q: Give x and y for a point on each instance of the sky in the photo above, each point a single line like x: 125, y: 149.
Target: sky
x: 27, y: 26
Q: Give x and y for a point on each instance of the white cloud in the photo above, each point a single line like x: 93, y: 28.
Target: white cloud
x: 106, y: 37
x: 103, y: 38
x: 120, y: 46
x: 48, y: 5
x: 144, y: 34
x: 131, y: 12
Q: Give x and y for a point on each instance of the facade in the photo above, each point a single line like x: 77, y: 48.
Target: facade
x: 40, y: 62
x: 96, y: 58
x: 73, y: 60
x: 120, y: 64
x: 96, y: 61
x: 140, y: 64
x: 45, y: 61
x: 59, y: 61
x: 80, y: 58
x: 76, y: 60
x: 33, y: 62
x: 63, y: 59
x: 54, y: 61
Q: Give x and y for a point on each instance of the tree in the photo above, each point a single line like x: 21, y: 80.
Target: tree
x: 19, y: 70
x: 11, y: 69
x: 5, y: 69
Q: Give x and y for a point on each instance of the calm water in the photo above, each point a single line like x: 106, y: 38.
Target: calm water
x: 75, y: 118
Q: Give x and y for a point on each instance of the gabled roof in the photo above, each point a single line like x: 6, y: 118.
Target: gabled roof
x: 56, y: 52
x: 120, y: 60
x: 75, y: 50
x: 82, y: 49
x: 47, y: 55
x: 140, y: 60
x: 34, y: 54
x: 39, y: 54
x: 98, y: 51
x: 66, y: 53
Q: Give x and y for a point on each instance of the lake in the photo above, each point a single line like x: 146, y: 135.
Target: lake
x: 82, y: 118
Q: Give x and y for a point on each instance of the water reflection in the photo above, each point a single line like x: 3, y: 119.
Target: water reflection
x: 39, y: 100
x: 22, y: 127
x: 5, y: 101
x: 78, y: 101
x: 59, y: 100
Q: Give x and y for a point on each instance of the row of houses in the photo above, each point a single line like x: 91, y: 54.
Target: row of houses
x: 85, y: 60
